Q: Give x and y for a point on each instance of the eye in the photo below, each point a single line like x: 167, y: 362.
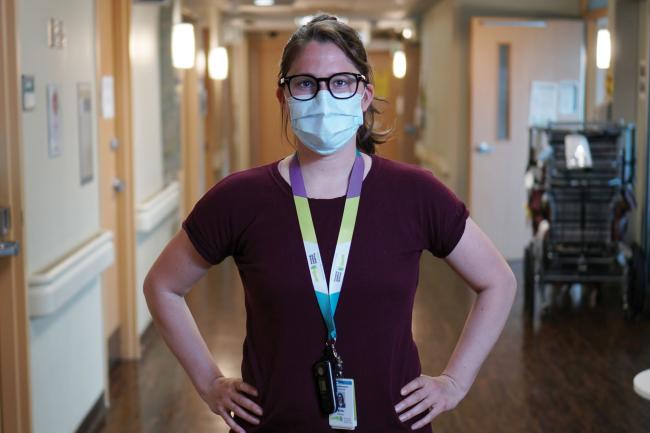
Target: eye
x: 305, y: 83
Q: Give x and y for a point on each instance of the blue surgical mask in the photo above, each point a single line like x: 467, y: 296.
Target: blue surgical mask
x: 325, y: 124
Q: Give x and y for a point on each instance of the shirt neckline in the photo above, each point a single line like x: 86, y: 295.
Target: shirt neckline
x: 284, y: 185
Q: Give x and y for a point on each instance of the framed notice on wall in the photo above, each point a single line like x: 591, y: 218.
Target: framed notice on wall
x: 85, y: 116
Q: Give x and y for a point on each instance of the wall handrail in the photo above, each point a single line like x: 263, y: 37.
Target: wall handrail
x: 153, y: 211
x: 51, y: 288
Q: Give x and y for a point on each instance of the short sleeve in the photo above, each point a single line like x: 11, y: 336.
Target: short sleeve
x: 210, y: 224
x: 444, y: 217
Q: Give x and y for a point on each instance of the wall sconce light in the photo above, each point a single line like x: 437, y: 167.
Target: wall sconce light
x: 399, y: 64
x: 183, y: 46
x: 603, y: 49
x: 218, y: 63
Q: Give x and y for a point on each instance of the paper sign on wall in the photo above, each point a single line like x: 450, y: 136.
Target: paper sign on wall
x: 568, y: 98
x: 543, y: 103
x: 108, y: 97
x: 54, y: 144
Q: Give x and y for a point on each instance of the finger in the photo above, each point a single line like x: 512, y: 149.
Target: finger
x: 231, y: 422
x: 412, y: 386
x: 247, y: 404
x: 423, y: 406
x: 437, y: 410
x: 248, y: 389
x: 240, y: 412
x: 411, y: 400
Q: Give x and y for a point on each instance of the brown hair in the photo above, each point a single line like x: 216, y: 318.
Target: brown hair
x: 327, y: 28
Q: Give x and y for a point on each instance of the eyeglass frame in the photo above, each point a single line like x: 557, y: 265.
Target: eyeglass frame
x: 286, y: 80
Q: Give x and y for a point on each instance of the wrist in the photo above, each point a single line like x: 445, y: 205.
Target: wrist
x: 457, y: 383
x: 205, y: 385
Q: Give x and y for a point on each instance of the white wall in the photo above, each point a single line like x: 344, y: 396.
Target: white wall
x: 145, y: 89
x: 629, y: 26
x: 67, y: 356
x: 439, y: 63
x: 67, y: 363
x: 147, y: 141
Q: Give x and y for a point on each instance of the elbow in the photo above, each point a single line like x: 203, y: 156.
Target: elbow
x: 511, y: 285
x: 149, y: 287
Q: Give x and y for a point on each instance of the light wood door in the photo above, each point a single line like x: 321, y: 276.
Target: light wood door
x: 387, y: 90
x: 14, y: 332
x: 526, y: 51
x: 267, y: 142
x: 108, y: 145
x: 396, y: 100
x: 116, y: 176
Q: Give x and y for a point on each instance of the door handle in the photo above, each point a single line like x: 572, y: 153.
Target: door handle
x: 9, y: 249
x: 118, y: 185
x: 484, y: 147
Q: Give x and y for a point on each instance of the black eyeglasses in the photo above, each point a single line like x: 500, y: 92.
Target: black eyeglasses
x: 304, y: 87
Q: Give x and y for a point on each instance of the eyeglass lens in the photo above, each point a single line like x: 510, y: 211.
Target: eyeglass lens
x: 341, y: 86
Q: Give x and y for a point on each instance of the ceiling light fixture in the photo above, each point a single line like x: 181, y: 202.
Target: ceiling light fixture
x: 603, y: 49
x: 264, y: 2
x: 399, y: 64
x: 218, y: 63
x: 183, y: 46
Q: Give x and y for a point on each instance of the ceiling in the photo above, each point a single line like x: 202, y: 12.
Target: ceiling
x: 375, y: 13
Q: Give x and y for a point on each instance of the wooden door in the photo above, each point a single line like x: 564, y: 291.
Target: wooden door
x: 267, y: 144
x: 506, y: 56
x: 387, y: 90
x: 108, y: 145
x: 400, y: 96
x: 15, y: 399
x: 116, y: 175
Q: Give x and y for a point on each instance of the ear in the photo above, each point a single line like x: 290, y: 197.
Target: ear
x: 279, y: 93
x: 368, y: 96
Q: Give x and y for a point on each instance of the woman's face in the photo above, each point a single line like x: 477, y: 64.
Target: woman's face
x: 324, y: 59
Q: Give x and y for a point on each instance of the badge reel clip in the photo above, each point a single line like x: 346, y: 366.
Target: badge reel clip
x: 326, y: 371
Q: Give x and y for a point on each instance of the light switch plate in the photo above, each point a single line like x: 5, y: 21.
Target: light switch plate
x: 28, y: 92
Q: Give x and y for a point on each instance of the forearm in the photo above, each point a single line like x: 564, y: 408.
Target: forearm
x: 483, y: 326
x: 175, y: 323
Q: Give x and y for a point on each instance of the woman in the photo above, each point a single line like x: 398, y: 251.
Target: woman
x: 287, y: 224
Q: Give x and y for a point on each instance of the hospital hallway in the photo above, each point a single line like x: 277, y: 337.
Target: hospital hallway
x: 567, y: 373
x: 124, y: 122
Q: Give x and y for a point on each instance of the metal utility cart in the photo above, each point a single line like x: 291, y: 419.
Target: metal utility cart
x: 580, y: 183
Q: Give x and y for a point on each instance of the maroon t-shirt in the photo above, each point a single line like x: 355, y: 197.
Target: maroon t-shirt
x: 250, y: 215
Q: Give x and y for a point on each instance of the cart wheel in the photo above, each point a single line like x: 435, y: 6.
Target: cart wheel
x: 529, y: 281
x: 638, y: 291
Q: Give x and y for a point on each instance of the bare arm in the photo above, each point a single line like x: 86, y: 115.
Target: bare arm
x: 170, y: 278
x: 479, y: 263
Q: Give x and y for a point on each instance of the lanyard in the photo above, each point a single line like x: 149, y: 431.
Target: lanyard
x: 327, y: 298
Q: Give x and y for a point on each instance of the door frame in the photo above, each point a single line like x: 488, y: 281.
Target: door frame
x: 15, y: 385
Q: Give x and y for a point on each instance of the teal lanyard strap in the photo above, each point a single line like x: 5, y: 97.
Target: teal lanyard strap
x: 327, y: 295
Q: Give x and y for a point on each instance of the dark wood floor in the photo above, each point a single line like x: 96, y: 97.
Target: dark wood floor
x: 568, y: 372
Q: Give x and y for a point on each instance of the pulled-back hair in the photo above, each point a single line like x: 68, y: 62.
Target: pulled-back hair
x: 327, y: 28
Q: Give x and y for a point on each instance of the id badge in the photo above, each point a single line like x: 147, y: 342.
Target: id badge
x: 345, y: 417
